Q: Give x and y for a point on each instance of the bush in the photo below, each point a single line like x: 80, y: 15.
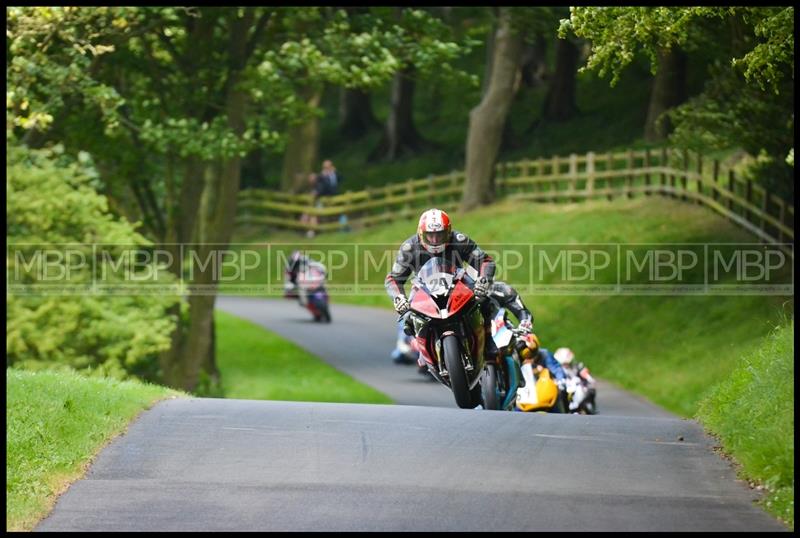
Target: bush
x: 51, y: 202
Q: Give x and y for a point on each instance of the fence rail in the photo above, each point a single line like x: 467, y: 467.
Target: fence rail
x: 674, y: 173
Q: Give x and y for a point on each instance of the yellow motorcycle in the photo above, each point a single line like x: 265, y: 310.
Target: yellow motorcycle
x: 544, y: 395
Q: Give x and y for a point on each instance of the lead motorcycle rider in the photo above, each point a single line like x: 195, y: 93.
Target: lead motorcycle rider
x: 435, y: 237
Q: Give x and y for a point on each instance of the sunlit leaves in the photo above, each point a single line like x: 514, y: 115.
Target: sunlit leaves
x: 51, y: 203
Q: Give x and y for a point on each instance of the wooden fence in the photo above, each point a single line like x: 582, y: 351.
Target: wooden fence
x: 668, y: 172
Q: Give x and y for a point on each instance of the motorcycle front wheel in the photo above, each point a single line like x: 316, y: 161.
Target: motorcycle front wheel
x: 455, y: 370
x: 489, y: 388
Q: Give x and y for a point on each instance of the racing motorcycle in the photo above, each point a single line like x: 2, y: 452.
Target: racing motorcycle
x: 310, y: 292
x: 581, y: 391
x: 504, y: 376
x: 449, y: 330
x: 543, y: 394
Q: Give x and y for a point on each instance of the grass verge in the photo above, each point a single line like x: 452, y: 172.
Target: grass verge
x: 56, y: 423
x: 752, y: 414
x: 256, y: 364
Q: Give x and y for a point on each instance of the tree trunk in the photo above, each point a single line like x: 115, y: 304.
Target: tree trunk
x: 181, y: 230
x: 400, y: 136
x: 669, y: 90
x: 355, y: 114
x: 194, y: 365
x: 302, y: 147
x: 486, y: 121
x: 489, y: 61
x: 559, y: 104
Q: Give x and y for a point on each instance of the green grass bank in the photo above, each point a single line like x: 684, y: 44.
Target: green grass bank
x: 752, y: 414
x: 256, y: 364
x: 56, y: 422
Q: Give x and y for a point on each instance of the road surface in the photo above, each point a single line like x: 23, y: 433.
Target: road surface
x: 424, y: 465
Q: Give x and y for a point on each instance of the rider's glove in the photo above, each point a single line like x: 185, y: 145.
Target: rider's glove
x: 562, y: 384
x: 401, y: 305
x: 481, y: 289
x: 526, y: 327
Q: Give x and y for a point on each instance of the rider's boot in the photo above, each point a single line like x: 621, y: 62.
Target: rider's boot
x: 527, y: 375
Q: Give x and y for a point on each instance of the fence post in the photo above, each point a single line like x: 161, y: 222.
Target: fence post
x: 609, y: 179
x: 699, y: 176
x: 663, y: 167
x: 781, y: 217
x: 630, y: 173
x: 685, y: 173
x: 731, y: 187
x: 647, y: 164
x: 525, y: 172
x: 556, y: 165
x: 714, y: 193
x: 500, y: 184
x: 409, y: 193
x: 538, y: 187
x: 573, y: 174
x: 765, y: 209
x: 749, y: 197
x: 589, y: 174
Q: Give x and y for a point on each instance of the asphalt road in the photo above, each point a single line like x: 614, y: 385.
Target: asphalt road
x: 239, y: 465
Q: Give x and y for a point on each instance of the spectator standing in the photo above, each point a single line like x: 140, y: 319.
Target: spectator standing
x: 330, y: 177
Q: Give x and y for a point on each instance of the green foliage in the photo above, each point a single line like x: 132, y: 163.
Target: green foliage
x: 55, y: 423
x: 730, y: 112
x: 752, y: 412
x: 51, y: 205
x: 618, y: 33
x: 770, y: 61
x: 748, y: 101
x: 51, y: 54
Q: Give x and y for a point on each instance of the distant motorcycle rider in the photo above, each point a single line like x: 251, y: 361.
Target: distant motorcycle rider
x: 435, y: 237
x: 296, y: 264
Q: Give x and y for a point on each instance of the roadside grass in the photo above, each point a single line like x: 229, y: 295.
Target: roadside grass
x: 752, y: 413
x: 56, y: 422
x: 256, y: 364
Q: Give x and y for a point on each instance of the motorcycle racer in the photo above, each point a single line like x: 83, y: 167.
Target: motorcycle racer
x: 312, y: 272
x: 580, y: 382
x: 435, y: 237
x: 532, y: 354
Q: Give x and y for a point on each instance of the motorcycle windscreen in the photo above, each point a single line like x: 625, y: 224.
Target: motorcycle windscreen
x: 436, y: 277
x: 423, y: 303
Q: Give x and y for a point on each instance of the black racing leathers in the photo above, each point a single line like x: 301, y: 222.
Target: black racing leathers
x: 411, y: 256
x: 504, y: 296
